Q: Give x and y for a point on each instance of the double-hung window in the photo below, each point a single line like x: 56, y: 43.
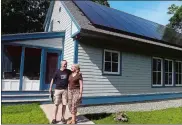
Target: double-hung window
x: 168, y: 68
x: 157, y: 72
x: 178, y: 73
x: 111, y: 62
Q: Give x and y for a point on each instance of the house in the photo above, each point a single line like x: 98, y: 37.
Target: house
x: 123, y: 58
x: 28, y: 62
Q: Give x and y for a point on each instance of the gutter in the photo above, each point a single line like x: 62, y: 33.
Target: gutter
x: 87, y: 32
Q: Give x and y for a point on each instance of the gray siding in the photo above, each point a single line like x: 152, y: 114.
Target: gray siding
x: 65, y: 24
x: 135, y: 78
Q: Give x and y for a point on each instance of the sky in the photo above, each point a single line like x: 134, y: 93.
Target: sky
x: 155, y: 11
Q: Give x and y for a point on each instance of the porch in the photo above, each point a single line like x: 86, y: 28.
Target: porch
x: 29, y: 60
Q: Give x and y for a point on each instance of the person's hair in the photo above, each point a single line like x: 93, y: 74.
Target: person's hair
x: 77, y: 66
x: 63, y: 60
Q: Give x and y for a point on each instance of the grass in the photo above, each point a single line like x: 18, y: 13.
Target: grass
x: 23, y: 114
x: 166, y: 116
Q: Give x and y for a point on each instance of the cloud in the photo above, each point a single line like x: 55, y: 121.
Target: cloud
x: 160, y: 15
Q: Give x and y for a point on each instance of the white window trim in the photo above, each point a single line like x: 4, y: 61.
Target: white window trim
x: 175, y: 73
x: 178, y: 84
x: 172, y: 72
x: 161, y: 71
x: 112, y: 51
x: 178, y: 61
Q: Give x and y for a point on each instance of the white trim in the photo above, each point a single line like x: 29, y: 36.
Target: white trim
x: 112, y: 51
x: 158, y: 71
x: 176, y: 84
x: 149, y: 41
x: 178, y: 61
x: 10, y: 84
x: 169, y: 72
x: 156, y: 85
x: 156, y: 58
x: 168, y: 59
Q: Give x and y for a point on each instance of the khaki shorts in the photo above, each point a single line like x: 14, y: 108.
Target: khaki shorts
x: 60, y: 95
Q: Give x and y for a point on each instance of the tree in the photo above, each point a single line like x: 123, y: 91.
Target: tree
x: 176, y: 19
x: 102, y: 2
x: 23, y: 16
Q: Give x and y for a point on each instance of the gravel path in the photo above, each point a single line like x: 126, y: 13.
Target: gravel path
x: 146, y: 106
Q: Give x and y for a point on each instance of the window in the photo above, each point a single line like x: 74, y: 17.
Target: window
x: 11, y: 62
x: 168, y: 68
x: 59, y: 9
x: 32, y: 64
x: 178, y: 73
x: 157, y: 72
x: 111, y: 62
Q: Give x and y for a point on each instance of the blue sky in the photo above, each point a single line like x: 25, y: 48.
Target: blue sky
x: 155, y: 11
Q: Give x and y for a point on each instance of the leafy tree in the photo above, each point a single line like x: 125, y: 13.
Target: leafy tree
x: 102, y: 2
x: 22, y: 16
x: 25, y: 16
x: 176, y: 19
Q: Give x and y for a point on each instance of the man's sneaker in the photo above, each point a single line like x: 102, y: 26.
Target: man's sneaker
x: 63, y: 121
x: 53, y: 121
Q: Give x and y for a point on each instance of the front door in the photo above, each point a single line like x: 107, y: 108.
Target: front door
x: 52, y: 63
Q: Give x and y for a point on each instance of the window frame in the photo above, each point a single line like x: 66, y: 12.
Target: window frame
x: 119, y: 62
x: 169, y: 72
x: 178, y: 72
x: 60, y: 9
x: 156, y: 85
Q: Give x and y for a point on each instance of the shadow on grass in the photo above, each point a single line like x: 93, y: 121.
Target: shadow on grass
x: 97, y: 116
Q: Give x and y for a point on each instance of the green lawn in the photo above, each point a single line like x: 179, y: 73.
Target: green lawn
x: 23, y: 114
x: 167, y: 116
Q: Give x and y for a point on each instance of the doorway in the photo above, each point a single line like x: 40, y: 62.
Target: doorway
x: 52, y: 63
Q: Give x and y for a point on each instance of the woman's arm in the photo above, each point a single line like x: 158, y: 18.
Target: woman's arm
x: 81, y: 87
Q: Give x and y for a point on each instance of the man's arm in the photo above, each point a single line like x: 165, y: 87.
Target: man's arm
x: 52, y: 81
x: 50, y: 88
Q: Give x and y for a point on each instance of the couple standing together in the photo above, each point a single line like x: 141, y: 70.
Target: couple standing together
x: 69, y: 88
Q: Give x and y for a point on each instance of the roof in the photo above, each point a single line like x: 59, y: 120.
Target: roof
x: 87, y: 25
x: 30, y: 36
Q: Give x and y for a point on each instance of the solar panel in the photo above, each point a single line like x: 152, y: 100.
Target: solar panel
x: 92, y: 14
x: 144, y: 27
x: 125, y: 23
x: 113, y: 19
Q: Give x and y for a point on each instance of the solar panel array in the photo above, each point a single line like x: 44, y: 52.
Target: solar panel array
x: 113, y: 19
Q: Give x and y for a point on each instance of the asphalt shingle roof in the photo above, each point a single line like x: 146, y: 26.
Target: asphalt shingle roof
x: 86, y: 24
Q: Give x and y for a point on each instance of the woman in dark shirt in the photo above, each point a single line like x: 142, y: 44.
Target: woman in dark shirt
x: 75, y: 89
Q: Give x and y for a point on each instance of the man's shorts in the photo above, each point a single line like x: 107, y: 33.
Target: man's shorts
x: 61, y: 96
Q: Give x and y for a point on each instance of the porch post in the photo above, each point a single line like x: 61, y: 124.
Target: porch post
x: 60, y: 59
x: 75, y: 60
x: 42, y: 69
x: 22, y: 68
x: 2, y: 60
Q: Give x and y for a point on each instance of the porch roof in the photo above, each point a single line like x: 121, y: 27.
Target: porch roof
x: 31, y: 36
x: 51, y: 40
